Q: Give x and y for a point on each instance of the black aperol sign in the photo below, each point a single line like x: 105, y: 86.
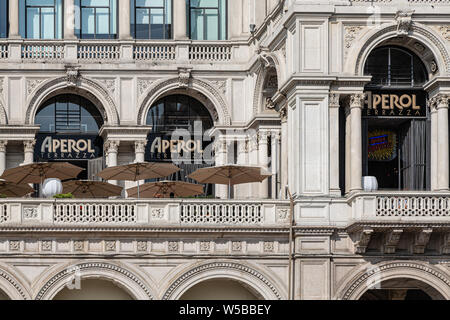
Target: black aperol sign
x: 68, y: 147
x: 395, y: 103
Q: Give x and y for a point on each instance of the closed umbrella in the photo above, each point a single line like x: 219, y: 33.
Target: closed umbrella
x: 165, y: 189
x: 11, y: 189
x: 139, y: 171
x: 230, y: 175
x: 37, y: 172
x: 91, y: 189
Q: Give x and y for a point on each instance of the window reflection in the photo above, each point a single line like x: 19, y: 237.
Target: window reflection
x: 208, y: 19
x: 41, y: 19
x: 151, y: 19
x: 96, y: 19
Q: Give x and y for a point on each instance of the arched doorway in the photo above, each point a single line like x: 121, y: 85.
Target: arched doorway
x: 3, y: 296
x: 94, y: 289
x: 180, y: 126
x: 69, y: 131
x: 219, y: 289
x: 395, y: 126
x: 402, y: 289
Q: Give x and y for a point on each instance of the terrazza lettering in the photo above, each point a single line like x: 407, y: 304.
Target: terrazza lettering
x: 394, y: 104
x: 67, y: 148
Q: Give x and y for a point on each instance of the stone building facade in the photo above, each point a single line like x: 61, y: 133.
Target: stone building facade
x: 320, y: 93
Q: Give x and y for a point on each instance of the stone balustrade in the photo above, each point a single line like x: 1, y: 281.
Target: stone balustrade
x: 193, y: 212
x: 400, y: 206
x: 114, y: 51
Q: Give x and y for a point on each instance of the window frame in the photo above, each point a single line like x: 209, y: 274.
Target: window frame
x: 111, y: 35
x: 219, y: 29
x: 55, y: 19
x: 166, y: 24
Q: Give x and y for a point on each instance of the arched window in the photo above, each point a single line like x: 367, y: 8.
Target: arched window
x: 178, y: 112
x: 69, y: 114
x: 395, y: 67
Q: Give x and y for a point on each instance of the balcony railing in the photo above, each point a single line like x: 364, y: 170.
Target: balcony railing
x: 109, y: 51
x: 382, y: 206
x: 156, y: 212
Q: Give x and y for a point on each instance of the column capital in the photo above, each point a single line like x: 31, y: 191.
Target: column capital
x: 356, y: 101
x: 112, y: 146
x: 139, y: 146
x: 283, y: 114
x: 439, y: 101
x: 3, y: 144
x: 263, y: 136
x: 334, y: 100
x: 29, y: 145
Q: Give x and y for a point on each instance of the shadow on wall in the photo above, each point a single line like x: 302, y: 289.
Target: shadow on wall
x: 93, y: 289
x: 218, y: 290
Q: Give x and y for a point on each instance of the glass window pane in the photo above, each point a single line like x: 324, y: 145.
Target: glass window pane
x: 88, y: 22
x: 142, y: 24
x: 197, y: 24
x: 47, y: 23
x: 157, y: 23
x: 33, y: 31
x: 3, y: 19
x: 102, y: 23
x: 212, y: 25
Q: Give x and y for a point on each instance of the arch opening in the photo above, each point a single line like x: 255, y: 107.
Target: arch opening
x: 395, y: 125
x: 94, y: 289
x: 180, y: 134
x: 402, y: 289
x: 220, y: 289
x: 69, y: 132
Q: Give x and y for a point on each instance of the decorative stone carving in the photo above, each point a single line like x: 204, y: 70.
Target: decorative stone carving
x: 29, y: 213
x: 32, y: 84
x: 78, y: 245
x: 270, y: 105
x: 29, y: 145
x: 445, y: 31
x: 391, y: 241
x: 3, y: 144
x: 439, y: 101
x: 139, y: 146
x: 110, y: 85
x: 283, y: 114
x: 14, y: 245
x: 419, y: 47
x: 356, y: 100
x: 111, y: 146
x: 404, y: 21
x: 184, y: 76
x: 236, y: 246
x: 46, y: 245
x: 283, y: 215
x: 421, y: 240
x: 351, y: 33
x: 110, y: 245
x: 205, y: 246
x: 157, y: 213
x: 363, y: 239
x: 173, y: 246
x: 142, y: 246
x: 143, y: 85
x: 269, y: 246
x: 72, y: 75
x: 334, y: 100
x: 434, y: 67
x: 221, y: 86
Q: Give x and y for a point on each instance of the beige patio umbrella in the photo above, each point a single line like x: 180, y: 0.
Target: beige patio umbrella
x: 91, y: 189
x: 37, y: 172
x: 139, y: 171
x: 11, y: 189
x: 164, y: 189
x: 230, y: 175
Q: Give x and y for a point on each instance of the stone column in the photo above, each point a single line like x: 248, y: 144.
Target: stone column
x: 69, y: 19
x: 434, y: 145
x: 221, y: 147
x: 139, y: 150
x: 14, y: 19
x: 348, y: 158
x: 29, y: 151
x: 253, y: 161
x: 124, y: 20
x: 241, y: 191
x: 263, y: 162
x: 443, y: 147
x: 179, y: 20
x: 276, y: 137
x: 284, y: 152
x: 334, y: 144
x: 112, y: 150
x: 356, y: 104
x: 3, y: 144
